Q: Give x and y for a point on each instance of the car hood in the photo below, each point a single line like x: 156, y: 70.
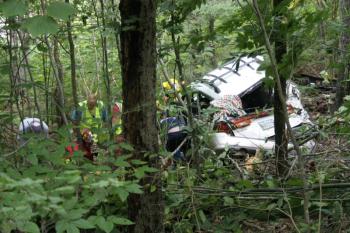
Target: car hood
x: 226, y: 78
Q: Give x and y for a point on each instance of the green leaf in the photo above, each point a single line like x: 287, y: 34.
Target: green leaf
x: 33, y: 159
x: 123, y: 195
x: 320, y: 204
x: 134, y: 188
x: 126, y: 146
x: 13, y: 8
x: 30, y: 227
x: 120, y: 221
x: 272, y: 206
x: 139, y: 173
x: 84, y: 224
x: 100, y: 221
x: 149, y: 169
x: 42, y: 48
x: 72, y: 229
x: 40, y: 25
x: 60, y: 226
x: 60, y: 10
x: 228, y: 201
x: 245, y: 184
x: 106, y: 226
x: 295, y: 182
x: 138, y: 162
x: 121, y: 163
x: 202, y: 216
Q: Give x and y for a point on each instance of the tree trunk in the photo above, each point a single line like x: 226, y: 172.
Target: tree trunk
x: 72, y: 63
x: 343, y: 74
x: 59, y: 91
x: 12, y: 42
x: 58, y: 75
x: 138, y: 50
x: 281, y: 138
x: 211, y: 29
x: 106, y: 67
x: 23, y: 43
x: 116, y: 30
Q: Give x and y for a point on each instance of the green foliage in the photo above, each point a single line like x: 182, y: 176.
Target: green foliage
x: 12, y: 8
x: 40, y: 25
x: 60, y: 10
x: 44, y: 190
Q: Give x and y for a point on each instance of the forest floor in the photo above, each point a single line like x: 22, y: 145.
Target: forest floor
x: 330, y: 156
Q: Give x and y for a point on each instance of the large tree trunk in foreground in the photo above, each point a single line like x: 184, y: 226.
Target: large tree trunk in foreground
x: 281, y: 138
x: 138, y: 50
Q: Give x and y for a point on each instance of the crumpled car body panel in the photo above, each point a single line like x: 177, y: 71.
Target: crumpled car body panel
x: 242, y: 81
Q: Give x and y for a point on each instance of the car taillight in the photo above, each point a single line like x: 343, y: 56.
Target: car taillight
x: 290, y: 109
x: 242, y: 122
x: 222, y: 127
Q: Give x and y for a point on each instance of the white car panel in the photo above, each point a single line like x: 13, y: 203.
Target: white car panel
x: 238, y: 83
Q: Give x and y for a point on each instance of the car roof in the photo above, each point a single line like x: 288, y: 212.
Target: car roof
x: 233, y: 78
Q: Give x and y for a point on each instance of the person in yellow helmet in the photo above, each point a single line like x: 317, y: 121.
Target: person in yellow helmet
x: 117, y: 118
x: 172, y: 87
x: 170, y: 95
x: 91, y: 115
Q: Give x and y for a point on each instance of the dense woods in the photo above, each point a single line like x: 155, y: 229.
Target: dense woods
x: 174, y: 116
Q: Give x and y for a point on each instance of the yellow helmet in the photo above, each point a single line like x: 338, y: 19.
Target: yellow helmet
x: 167, y: 86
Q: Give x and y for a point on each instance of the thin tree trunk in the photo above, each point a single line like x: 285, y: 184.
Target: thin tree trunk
x: 138, y: 43
x: 213, y: 60
x: 281, y: 139
x: 116, y: 30
x: 46, y: 83
x: 13, y: 70
x: 72, y: 62
x: 59, y: 84
x: 343, y: 73
x: 59, y: 92
x: 106, y: 67
x: 36, y: 101
x: 301, y: 160
x: 194, y: 141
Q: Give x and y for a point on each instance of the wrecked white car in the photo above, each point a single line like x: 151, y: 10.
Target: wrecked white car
x: 245, y: 120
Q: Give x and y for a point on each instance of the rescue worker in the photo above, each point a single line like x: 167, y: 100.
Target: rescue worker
x: 91, y: 115
x: 170, y: 97
x: 176, y: 136
x: 117, y: 118
x: 31, y: 126
x: 173, y: 125
x: 117, y: 125
x: 85, y: 146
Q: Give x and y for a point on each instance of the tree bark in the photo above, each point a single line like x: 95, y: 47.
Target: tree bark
x: 106, y: 67
x: 72, y: 63
x: 12, y: 42
x: 343, y: 73
x: 116, y: 30
x: 211, y: 29
x: 59, y: 91
x: 281, y: 139
x: 138, y: 53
